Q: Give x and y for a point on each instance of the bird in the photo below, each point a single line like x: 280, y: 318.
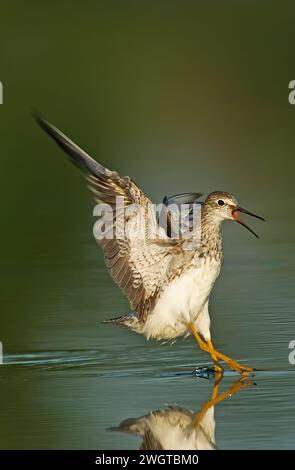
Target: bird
x: 178, y: 428
x: 168, y: 280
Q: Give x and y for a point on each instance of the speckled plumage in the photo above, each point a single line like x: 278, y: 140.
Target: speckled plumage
x: 173, y: 428
x: 167, y: 284
x: 176, y: 428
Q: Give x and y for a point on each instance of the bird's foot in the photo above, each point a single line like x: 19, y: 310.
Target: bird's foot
x: 243, y: 382
x: 218, y: 372
x: 216, y: 398
x: 238, y: 367
x: 234, y: 365
x: 218, y: 368
x: 216, y: 355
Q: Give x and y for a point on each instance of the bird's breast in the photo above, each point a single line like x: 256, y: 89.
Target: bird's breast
x: 203, y: 276
x: 182, y: 300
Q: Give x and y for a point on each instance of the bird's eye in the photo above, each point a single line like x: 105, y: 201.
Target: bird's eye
x: 220, y: 202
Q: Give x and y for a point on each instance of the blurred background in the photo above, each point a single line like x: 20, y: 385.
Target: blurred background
x: 182, y: 96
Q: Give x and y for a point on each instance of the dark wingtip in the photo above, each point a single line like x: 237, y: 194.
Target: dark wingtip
x: 39, y: 118
x: 49, y: 128
x: 76, y: 154
x: 36, y: 114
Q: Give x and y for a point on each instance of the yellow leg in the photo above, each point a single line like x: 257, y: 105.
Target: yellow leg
x: 218, y: 378
x: 203, y: 345
x: 208, y: 347
x: 217, y: 367
x: 234, y: 365
x: 238, y: 385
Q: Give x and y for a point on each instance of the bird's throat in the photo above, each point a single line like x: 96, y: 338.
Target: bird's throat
x: 211, y: 240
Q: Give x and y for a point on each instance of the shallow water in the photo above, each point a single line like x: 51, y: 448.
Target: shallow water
x: 72, y: 399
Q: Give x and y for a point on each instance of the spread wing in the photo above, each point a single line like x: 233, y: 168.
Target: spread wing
x: 138, y: 259
x: 178, y: 216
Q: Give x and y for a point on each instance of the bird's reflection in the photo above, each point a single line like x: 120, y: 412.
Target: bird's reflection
x: 176, y: 428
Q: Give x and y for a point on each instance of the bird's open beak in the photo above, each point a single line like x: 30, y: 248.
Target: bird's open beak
x: 235, y: 214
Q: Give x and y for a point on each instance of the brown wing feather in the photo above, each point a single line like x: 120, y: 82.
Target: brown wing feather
x: 139, y: 263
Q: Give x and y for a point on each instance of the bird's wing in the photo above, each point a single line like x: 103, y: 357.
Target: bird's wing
x: 179, y: 214
x: 137, y: 259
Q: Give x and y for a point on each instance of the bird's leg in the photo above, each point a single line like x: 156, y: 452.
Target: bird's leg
x: 203, y: 345
x: 208, y: 347
x: 215, y: 399
x: 208, y: 404
x: 234, y: 365
x: 216, y: 386
x: 217, y: 367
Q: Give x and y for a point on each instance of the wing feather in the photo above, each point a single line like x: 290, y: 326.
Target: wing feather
x: 139, y: 262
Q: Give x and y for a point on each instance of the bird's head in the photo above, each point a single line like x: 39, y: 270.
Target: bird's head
x: 224, y: 206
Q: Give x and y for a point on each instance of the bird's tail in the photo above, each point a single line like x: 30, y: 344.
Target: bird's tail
x: 129, y: 321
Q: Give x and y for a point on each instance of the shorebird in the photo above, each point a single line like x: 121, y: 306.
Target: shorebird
x: 176, y: 428
x: 168, y: 285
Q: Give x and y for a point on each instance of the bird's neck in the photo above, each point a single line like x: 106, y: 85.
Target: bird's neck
x: 211, y: 241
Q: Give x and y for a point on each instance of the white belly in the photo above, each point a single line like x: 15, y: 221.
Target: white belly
x: 181, y: 302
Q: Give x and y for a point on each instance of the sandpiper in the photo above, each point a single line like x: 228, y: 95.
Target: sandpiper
x: 176, y: 428
x: 168, y: 286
